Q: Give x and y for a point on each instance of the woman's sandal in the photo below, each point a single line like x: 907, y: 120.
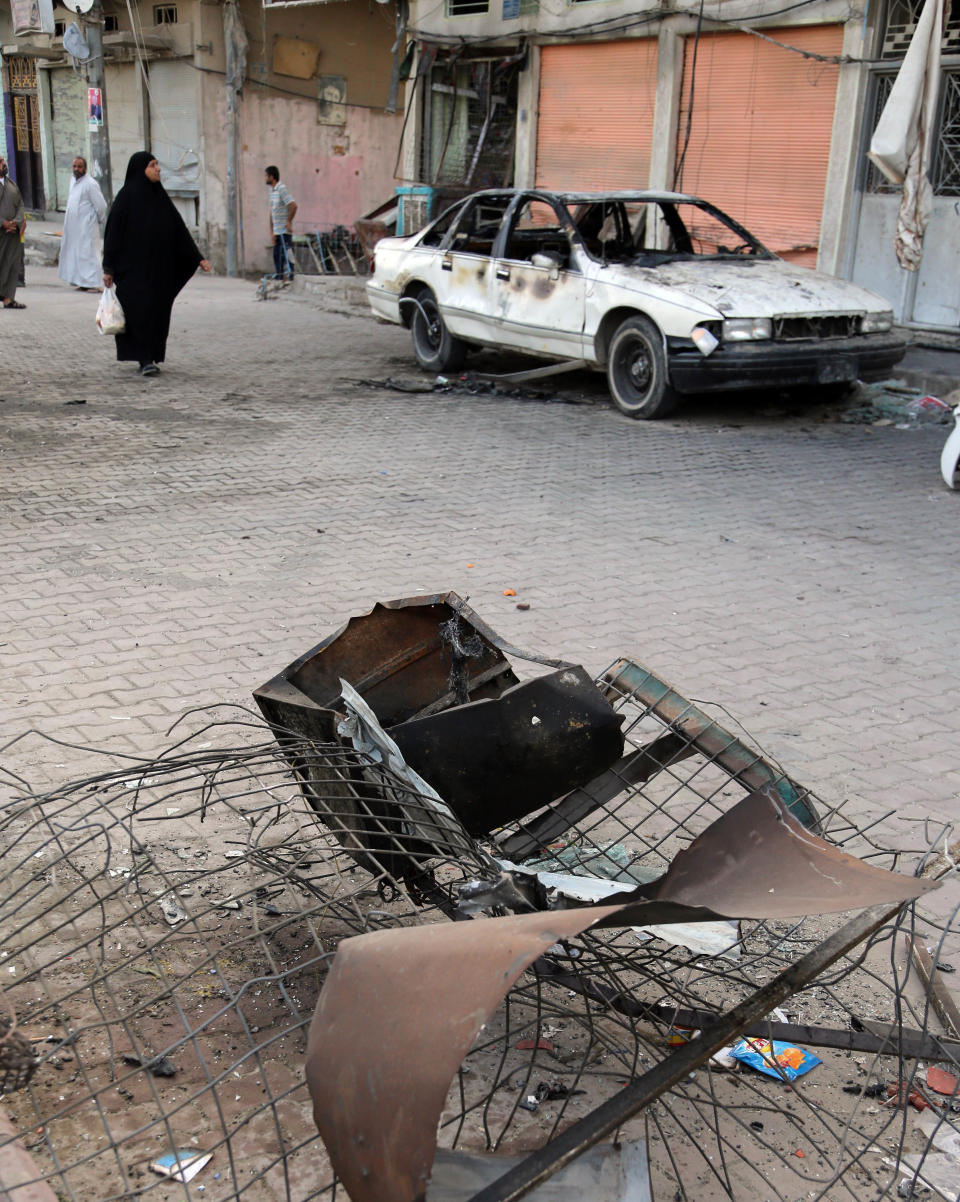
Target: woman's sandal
x: 14, y: 305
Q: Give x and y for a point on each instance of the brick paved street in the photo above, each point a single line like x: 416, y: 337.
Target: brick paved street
x: 174, y: 542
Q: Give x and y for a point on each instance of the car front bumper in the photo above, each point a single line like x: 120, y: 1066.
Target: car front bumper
x: 771, y: 364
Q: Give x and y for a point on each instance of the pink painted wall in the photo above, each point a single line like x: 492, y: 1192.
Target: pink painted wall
x: 336, y: 173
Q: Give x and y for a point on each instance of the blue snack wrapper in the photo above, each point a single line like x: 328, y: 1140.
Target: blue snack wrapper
x: 785, y: 1061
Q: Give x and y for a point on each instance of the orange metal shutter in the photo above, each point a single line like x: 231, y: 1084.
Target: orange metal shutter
x: 596, y: 115
x: 760, y: 135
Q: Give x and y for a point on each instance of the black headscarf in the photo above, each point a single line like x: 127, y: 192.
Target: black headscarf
x: 150, y: 254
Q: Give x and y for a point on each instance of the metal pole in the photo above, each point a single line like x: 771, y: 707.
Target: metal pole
x: 99, y: 135
x: 234, y: 74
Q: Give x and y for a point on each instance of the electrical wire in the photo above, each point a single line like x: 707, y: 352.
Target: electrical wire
x: 622, y: 24
x: 678, y: 168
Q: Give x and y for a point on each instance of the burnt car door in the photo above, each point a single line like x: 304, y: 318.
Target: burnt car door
x: 537, y: 288
x: 464, y: 270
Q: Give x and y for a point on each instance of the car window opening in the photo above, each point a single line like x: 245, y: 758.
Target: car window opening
x: 537, y: 229
x: 646, y: 233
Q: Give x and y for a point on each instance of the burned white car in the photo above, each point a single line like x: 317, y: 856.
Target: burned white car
x: 663, y: 291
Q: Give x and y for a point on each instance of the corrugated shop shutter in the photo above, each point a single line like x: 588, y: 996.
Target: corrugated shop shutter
x: 596, y: 115
x: 760, y: 134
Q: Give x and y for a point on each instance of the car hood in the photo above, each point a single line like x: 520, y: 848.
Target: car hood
x: 763, y: 288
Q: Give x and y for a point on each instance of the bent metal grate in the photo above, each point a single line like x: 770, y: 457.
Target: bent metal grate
x: 169, y: 924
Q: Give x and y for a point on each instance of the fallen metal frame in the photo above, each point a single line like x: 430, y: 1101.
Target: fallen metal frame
x: 303, y: 890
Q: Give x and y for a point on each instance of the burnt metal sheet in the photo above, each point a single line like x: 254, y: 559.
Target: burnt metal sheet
x: 498, y: 759
x: 378, y: 1074
x: 406, y: 658
x: 438, y: 682
x: 758, y: 861
x: 633, y: 769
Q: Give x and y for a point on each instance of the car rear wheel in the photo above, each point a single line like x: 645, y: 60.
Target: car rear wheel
x: 435, y: 347
x: 637, y: 370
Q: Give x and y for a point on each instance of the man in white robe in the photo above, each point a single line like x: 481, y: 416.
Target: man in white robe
x: 82, y: 225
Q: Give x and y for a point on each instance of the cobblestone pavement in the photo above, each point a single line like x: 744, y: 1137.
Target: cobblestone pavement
x: 174, y: 542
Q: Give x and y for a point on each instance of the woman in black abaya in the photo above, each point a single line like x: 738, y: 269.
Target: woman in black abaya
x: 148, y: 255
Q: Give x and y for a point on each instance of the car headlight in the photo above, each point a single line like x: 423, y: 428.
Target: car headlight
x: 876, y: 323
x: 747, y: 329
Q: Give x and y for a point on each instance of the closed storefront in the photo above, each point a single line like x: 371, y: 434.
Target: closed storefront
x: 756, y: 139
x: 596, y: 115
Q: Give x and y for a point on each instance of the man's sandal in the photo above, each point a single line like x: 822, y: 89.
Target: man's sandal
x: 14, y: 305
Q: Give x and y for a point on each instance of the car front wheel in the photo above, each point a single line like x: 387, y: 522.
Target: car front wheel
x: 637, y: 370
x: 435, y: 347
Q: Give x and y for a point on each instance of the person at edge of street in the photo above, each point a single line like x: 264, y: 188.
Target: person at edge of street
x: 149, y: 255
x: 13, y: 221
x: 82, y: 225
x: 283, y: 209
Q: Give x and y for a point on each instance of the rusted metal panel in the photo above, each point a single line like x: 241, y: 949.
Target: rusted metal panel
x: 399, y: 660
x: 378, y: 1074
x: 758, y: 861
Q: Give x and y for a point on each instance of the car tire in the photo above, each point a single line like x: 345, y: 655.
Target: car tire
x: 434, y: 346
x: 637, y: 371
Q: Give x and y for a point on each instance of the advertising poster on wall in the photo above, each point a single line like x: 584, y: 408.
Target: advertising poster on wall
x: 95, y: 105
x: 32, y: 16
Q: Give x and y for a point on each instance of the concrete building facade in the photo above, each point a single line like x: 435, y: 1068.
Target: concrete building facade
x: 764, y: 108
x: 313, y: 100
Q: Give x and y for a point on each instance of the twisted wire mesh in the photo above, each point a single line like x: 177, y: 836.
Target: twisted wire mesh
x: 179, y: 914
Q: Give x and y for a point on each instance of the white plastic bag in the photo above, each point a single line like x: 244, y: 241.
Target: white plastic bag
x: 110, y: 319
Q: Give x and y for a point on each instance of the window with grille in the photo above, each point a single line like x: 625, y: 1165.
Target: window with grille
x: 467, y: 8
x: 901, y: 23
x: 470, y: 114
x: 519, y: 8
x: 111, y: 24
x: 59, y: 28
x: 23, y: 72
x: 945, y: 161
x: 876, y: 181
x: 946, y: 168
x: 165, y: 14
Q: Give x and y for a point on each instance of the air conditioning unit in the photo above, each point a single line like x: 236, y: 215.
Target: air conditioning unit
x: 414, y: 205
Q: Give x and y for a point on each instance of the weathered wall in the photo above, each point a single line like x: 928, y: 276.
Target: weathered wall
x: 123, y: 118
x: 6, y: 39
x: 68, y: 100
x: 429, y: 18
x: 335, y: 172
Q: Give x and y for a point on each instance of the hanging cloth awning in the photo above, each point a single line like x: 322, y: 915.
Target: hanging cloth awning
x: 903, y: 140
